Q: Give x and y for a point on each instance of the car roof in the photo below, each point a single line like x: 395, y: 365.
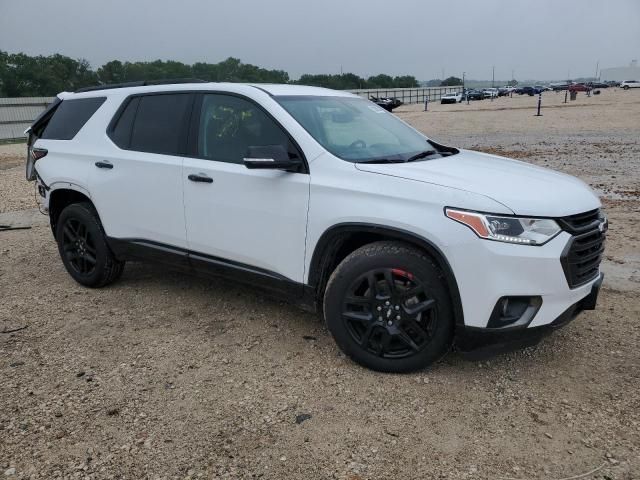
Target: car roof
x: 280, y: 89
x: 246, y: 88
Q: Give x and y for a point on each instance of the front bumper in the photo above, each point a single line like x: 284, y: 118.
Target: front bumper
x: 476, y: 343
x: 486, y: 271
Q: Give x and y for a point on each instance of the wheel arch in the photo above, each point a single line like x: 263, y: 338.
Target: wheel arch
x: 340, y: 240
x: 60, y: 198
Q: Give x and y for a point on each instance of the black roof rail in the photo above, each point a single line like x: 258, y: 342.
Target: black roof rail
x: 141, y: 83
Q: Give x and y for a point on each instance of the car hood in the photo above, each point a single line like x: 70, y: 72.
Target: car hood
x: 523, y: 188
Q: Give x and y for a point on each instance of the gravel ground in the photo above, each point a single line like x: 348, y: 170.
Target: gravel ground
x: 167, y: 376
x: 15, y: 193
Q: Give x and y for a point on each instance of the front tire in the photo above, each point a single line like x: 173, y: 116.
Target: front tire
x: 388, y: 308
x: 626, y: 87
x: 83, y: 247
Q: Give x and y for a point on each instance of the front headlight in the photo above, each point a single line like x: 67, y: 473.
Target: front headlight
x: 521, y: 230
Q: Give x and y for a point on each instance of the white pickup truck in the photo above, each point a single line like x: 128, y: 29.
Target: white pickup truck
x: 453, y: 97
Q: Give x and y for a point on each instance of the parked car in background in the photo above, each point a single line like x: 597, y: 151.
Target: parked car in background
x: 504, y: 91
x: 453, y: 97
x: 579, y: 87
x: 527, y: 91
x: 387, y: 103
x: 627, y: 84
x: 490, y: 92
x: 559, y: 86
x: 598, y: 85
x: 473, y: 94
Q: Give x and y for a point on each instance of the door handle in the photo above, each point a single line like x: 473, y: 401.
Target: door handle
x: 202, y: 178
x: 105, y: 164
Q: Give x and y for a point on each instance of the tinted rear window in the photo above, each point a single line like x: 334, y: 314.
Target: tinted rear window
x: 121, y: 133
x: 70, y: 117
x: 161, y: 124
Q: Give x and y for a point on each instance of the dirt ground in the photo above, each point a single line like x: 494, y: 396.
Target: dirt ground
x: 166, y: 376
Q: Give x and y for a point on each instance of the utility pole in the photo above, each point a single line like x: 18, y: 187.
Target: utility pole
x: 597, y: 65
x: 493, y: 76
x: 463, y: 80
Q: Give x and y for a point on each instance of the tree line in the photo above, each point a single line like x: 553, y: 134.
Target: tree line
x: 456, y: 81
x: 23, y: 75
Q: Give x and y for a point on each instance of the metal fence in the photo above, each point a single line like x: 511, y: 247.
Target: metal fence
x: 407, y: 95
x: 16, y: 114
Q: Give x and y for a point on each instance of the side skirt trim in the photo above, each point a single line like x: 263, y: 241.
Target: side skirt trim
x: 211, y: 266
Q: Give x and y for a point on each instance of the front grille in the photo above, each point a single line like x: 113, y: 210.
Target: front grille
x: 582, y: 256
x: 581, y: 222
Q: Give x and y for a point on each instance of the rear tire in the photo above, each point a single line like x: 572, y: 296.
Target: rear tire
x: 83, y: 247
x: 388, y: 308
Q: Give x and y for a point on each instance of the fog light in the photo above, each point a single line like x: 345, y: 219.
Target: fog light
x: 514, y: 311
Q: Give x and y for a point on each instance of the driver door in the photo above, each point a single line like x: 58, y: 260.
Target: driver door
x: 248, y: 221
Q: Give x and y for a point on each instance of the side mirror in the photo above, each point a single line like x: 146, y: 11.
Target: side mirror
x: 272, y: 157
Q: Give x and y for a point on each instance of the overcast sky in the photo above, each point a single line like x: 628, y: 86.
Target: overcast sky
x: 538, y: 39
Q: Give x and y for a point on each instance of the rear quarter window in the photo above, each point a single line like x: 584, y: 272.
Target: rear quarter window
x: 121, y: 131
x: 70, y: 117
x: 161, y: 124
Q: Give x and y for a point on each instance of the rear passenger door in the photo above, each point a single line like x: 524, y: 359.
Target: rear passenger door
x: 246, y: 221
x: 136, y: 185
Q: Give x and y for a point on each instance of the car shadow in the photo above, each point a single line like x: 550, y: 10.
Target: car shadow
x: 203, y: 290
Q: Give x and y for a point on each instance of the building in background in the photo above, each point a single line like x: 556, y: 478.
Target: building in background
x: 620, y: 74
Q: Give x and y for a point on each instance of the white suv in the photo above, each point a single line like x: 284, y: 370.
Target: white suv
x: 407, y: 246
x: 627, y: 84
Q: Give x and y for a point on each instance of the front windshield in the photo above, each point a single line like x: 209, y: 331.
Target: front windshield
x: 354, y: 129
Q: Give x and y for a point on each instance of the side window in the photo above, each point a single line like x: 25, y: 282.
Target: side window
x: 161, y: 123
x: 230, y: 125
x: 121, y: 133
x: 70, y: 117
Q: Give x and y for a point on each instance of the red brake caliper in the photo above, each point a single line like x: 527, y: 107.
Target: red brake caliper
x: 402, y: 273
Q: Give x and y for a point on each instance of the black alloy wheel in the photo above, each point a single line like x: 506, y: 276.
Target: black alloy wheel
x: 78, y: 246
x: 388, y: 307
x: 389, y: 312
x: 83, y: 246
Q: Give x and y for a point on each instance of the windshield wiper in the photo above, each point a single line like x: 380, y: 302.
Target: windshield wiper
x: 383, y: 160
x: 420, y: 155
x: 417, y: 156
